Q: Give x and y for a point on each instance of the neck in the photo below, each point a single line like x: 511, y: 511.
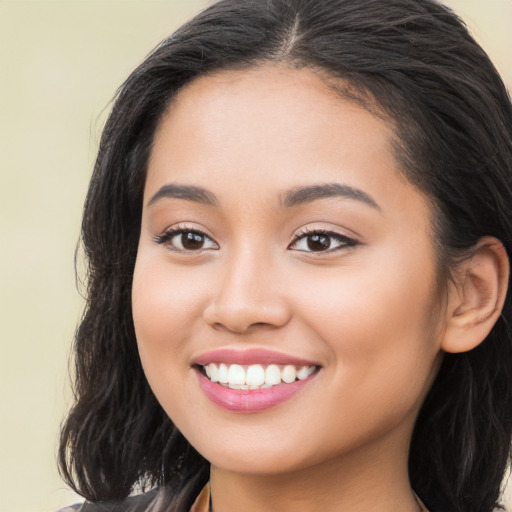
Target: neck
x: 372, y: 478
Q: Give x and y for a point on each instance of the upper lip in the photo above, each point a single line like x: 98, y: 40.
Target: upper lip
x: 250, y: 356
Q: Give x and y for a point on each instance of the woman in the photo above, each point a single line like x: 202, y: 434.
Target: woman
x: 298, y: 231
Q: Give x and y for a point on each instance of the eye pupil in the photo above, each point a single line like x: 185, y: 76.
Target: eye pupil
x: 191, y: 240
x: 318, y: 242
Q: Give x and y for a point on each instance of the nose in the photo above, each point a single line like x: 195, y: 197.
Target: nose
x: 248, y: 296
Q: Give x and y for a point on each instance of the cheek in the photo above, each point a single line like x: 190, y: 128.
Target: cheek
x: 166, y: 305
x: 381, y: 325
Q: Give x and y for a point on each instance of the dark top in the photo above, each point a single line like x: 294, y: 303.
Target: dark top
x: 152, y: 502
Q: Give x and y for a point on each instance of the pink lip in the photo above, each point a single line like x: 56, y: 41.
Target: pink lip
x: 250, y: 356
x: 249, y: 400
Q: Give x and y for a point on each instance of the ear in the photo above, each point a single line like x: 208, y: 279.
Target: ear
x: 476, y: 300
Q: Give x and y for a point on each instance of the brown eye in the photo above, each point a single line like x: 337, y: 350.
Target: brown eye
x: 319, y: 241
x: 191, y: 241
x: 186, y: 240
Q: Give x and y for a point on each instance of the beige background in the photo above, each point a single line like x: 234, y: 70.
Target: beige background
x: 60, y: 63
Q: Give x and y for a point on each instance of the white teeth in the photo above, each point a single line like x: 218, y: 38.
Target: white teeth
x: 236, y: 375
x: 272, y: 375
x: 214, y: 372
x: 305, y: 372
x: 289, y: 374
x: 255, y: 376
x: 223, y: 374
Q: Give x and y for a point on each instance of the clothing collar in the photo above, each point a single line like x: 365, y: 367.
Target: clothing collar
x: 202, y: 503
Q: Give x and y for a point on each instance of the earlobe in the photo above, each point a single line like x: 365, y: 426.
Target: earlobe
x: 477, y: 298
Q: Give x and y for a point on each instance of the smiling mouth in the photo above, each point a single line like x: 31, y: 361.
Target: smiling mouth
x: 255, y: 376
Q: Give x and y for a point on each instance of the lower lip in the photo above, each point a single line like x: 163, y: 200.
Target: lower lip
x: 250, y: 400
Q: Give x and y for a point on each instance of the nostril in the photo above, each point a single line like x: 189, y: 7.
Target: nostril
x: 261, y: 324
x: 243, y: 328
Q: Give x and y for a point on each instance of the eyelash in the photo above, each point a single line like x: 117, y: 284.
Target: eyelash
x: 344, y: 241
x: 166, y: 238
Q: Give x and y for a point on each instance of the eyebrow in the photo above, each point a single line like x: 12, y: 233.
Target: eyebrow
x: 187, y: 192
x: 313, y: 193
x: 291, y: 198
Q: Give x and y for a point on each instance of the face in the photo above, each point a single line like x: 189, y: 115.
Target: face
x: 284, y: 294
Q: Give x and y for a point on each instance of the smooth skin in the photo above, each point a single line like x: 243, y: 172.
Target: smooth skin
x: 365, y: 305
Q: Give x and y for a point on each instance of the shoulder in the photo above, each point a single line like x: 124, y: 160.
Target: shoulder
x: 70, y: 508
x: 140, y: 503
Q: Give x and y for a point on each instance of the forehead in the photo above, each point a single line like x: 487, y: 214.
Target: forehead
x: 287, y: 90
x: 267, y: 115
